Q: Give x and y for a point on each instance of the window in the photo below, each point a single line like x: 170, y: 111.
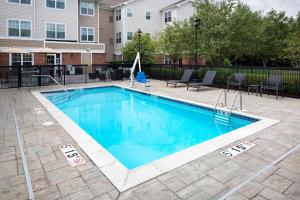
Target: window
x: 129, y: 35
x: 118, y: 37
x: 55, y: 31
x: 129, y: 12
x: 87, y: 34
x: 168, y: 16
x: 27, y: 2
x: 87, y: 7
x: 19, y: 28
x: 59, y: 4
x: 148, y: 15
x: 18, y: 59
x: 167, y: 60
x: 118, y: 14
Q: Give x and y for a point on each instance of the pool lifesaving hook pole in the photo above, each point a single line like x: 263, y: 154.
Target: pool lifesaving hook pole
x: 137, y: 60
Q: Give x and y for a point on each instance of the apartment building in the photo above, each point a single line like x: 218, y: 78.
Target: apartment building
x: 50, y: 32
x: 80, y: 31
x: 150, y: 16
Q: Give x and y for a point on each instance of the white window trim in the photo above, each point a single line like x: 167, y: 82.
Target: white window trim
x: 165, y: 17
x: 118, y: 15
x: 20, y: 4
x: 55, y: 31
x: 127, y: 35
x: 7, y: 31
x: 120, y: 37
x: 22, y: 61
x: 146, y: 15
x: 55, y: 6
x: 87, y: 13
x: 127, y: 11
x: 87, y: 35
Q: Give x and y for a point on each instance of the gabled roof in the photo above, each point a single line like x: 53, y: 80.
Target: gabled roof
x: 176, y: 4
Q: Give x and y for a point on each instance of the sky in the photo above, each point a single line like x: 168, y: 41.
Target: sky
x: 290, y: 6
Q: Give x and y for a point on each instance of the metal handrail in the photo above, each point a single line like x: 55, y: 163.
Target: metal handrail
x: 234, y: 100
x: 225, y: 98
x: 55, y: 82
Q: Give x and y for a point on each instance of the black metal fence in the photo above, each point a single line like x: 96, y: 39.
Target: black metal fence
x: 21, y: 76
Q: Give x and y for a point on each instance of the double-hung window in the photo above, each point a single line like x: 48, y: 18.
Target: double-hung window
x: 87, y: 7
x: 148, y: 15
x: 168, y: 16
x: 118, y: 37
x: 19, y: 59
x: 19, y: 28
x: 26, y: 2
x: 129, y: 12
x: 118, y: 14
x: 87, y: 34
x: 59, y: 4
x: 129, y: 35
x: 55, y: 31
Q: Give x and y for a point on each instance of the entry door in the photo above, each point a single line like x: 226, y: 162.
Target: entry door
x: 51, y: 59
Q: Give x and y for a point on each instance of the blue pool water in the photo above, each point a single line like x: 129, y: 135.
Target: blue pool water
x: 137, y: 128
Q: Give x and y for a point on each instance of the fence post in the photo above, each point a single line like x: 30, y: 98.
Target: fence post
x: 160, y: 72
x: 39, y: 78
x: 86, y: 72
x: 19, y: 76
x: 64, y: 74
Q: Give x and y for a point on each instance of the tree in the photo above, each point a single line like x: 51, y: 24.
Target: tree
x: 147, y: 49
x: 272, y: 33
x: 293, y: 42
x: 171, y: 41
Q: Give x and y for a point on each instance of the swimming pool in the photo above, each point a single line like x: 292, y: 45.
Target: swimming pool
x: 133, y: 135
x: 137, y: 128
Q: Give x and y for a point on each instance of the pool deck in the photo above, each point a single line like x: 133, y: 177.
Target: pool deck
x: 208, y: 177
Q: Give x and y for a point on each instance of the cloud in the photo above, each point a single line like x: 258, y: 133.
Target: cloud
x: 291, y: 7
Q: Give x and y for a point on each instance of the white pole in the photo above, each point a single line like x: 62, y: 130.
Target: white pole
x: 137, y: 59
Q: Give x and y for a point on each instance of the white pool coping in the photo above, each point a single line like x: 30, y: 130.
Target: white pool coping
x: 117, y: 173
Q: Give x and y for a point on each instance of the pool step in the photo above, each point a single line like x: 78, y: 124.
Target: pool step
x: 222, y: 119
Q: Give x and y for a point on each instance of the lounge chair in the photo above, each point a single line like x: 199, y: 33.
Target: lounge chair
x: 207, y: 80
x: 273, y: 83
x: 237, y: 81
x: 185, y: 79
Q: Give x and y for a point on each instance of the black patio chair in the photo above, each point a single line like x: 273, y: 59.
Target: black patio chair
x: 207, y: 80
x: 236, y: 81
x: 185, y: 79
x: 273, y: 83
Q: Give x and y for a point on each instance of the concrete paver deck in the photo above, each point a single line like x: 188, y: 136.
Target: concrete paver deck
x: 206, y: 178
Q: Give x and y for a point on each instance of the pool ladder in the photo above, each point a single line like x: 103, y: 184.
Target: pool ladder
x: 223, y: 116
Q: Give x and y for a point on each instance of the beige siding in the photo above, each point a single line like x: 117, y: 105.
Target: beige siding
x: 21, y: 43
x: 106, y: 30
x: 13, y: 11
x: 89, y: 21
x: 75, y: 46
x: 68, y: 16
